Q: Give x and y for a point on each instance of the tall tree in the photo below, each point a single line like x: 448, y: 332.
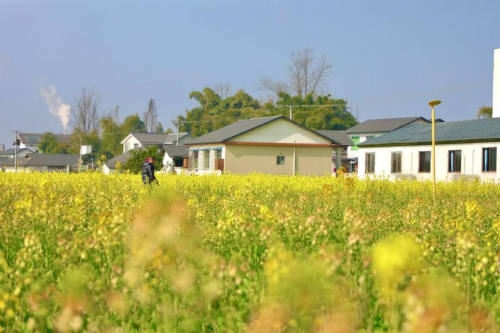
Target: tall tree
x: 111, y: 136
x: 85, y: 112
x: 159, y: 128
x: 485, y: 112
x: 151, y: 117
x: 132, y: 124
x: 306, y: 75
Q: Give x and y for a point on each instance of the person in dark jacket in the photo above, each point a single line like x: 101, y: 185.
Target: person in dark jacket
x: 148, y: 171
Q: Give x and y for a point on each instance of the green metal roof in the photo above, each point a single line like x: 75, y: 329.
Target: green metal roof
x: 477, y: 130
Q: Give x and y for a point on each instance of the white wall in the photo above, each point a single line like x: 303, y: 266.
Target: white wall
x: 280, y: 131
x: 362, y: 138
x: 496, y: 83
x: 34, y: 148
x: 471, y: 160
x: 129, y: 144
x: 201, y: 160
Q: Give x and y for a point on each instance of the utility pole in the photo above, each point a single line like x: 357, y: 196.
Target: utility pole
x: 80, y: 160
x: 15, y: 149
x: 291, y: 112
x: 176, y: 123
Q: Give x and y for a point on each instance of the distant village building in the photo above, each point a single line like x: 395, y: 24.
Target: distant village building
x: 39, y: 162
x: 273, y: 145
x: 137, y: 140
x: 32, y: 140
x: 463, y: 148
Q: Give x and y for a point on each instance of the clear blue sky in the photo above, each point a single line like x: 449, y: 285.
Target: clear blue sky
x: 390, y: 57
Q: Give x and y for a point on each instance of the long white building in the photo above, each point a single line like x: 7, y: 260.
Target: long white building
x: 463, y: 148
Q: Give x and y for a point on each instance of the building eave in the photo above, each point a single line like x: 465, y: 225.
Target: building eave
x: 428, y: 143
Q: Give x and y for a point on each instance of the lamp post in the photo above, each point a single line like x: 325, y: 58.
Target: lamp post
x: 433, y: 104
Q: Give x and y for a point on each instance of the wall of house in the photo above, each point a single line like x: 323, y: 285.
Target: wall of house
x: 280, y: 131
x: 471, y: 161
x: 130, y: 144
x: 314, y: 161
x: 32, y: 147
x: 247, y: 159
x: 202, y: 169
x: 351, y: 152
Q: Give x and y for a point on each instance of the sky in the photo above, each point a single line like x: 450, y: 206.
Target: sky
x: 389, y: 57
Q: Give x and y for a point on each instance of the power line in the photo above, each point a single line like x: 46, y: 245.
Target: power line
x: 15, y: 149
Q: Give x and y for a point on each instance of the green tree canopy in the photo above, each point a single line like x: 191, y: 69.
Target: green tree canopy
x: 315, y: 112
x: 485, y: 112
x: 111, y: 136
x: 159, y: 128
x: 50, y: 145
x: 132, y: 123
x: 137, y: 157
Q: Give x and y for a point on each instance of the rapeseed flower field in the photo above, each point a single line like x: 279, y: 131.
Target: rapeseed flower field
x: 256, y: 253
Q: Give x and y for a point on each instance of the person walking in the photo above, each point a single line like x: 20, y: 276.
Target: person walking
x: 148, y: 172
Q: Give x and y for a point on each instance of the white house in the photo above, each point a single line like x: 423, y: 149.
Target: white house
x: 32, y: 140
x: 138, y: 140
x: 174, y: 159
x: 463, y: 148
x: 373, y: 128
x: 273, y: 145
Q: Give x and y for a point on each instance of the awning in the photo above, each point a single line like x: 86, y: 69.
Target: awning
x: 217, y: 148
x: 194, y: 149
x: 205, y: 149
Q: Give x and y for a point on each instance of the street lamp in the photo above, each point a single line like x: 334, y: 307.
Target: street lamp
x: 433, y: 104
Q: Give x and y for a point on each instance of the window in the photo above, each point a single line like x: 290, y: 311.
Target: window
x: 206, y: 161
x: 355, y: 140
x: 370, y: 137
x: 370, y: 162
x: 136, y: 145
x: 280, y: 160
x: 454, y: 161
x: 424, y: 164
x: 396, y: 159
x: 489, y: 159
x: 218, y: 154
x: 195, y: 159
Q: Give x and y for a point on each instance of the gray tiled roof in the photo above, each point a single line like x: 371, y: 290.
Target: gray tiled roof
x: 338, y: 136
x: 477, y: 130
x: 382, y: 125
x: 35, y: 138
x: 51, y: 160
x: 243, y: 126
x: 157, y: 138
x: 11, y: 152
x: 176, y: 151
x: 122, y: 158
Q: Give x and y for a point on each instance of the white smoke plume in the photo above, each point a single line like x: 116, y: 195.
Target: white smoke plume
x: 56, y: 106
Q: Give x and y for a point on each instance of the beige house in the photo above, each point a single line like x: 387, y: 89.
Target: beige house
x: 273, y: 145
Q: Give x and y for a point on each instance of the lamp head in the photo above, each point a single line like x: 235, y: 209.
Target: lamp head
x: 434, y: 102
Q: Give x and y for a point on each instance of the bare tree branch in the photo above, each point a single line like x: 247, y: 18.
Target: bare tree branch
x: 275, y: 86
x: 305, y: 75
x: 85, y: 113
x: 222, y: 89
x: 320, y: 74
x: 151, y: 117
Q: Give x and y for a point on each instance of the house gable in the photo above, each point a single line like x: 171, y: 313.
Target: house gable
x: 280, y: 131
